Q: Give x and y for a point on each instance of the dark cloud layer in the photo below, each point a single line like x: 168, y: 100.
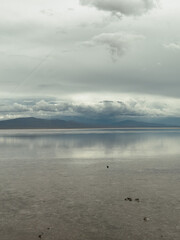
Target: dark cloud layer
x: 125, y: 7
x: 108, y: 110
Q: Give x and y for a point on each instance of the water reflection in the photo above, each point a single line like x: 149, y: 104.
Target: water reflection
x: 88, y: 144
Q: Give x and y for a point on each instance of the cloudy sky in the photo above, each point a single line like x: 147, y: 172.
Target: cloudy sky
x: 97, y: 59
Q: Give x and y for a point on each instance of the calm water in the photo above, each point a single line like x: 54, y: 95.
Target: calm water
x: 56, y: 185
x: 89, y: 144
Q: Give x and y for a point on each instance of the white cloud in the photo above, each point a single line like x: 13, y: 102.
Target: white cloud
x: 172, y: 46
x: 116, y: 43
x: 125, y: 7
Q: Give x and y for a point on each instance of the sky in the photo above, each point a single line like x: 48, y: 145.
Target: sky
x: 90, y: 59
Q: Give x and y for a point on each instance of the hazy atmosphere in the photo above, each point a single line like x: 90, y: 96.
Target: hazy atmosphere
x: 89, y: 119
x: 91, y: 59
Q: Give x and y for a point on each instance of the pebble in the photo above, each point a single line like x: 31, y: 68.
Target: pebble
x: 128, y: 199
x: 40, y: 235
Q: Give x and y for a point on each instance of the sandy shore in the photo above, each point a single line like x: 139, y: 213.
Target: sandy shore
x: 71, y: 199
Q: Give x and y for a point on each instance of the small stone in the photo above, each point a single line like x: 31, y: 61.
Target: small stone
x: 40, y: 235
x: 128, y: 199
x: 137, y: 200
x: 146, y: 219
x: 107, y: 166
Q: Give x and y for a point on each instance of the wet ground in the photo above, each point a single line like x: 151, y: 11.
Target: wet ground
x: 72, y: 199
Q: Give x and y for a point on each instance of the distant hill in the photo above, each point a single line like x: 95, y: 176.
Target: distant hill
x: 36, y: 123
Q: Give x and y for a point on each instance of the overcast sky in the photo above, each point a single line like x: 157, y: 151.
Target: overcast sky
x: 106, y: 58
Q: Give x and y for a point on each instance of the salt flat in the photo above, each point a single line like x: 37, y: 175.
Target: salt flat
x: 58, y: 197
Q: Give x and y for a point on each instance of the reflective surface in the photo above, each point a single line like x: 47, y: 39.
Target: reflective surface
x: 89, y: 144
x: 56, y: 184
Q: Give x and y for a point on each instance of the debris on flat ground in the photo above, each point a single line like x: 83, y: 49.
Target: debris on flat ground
x: 40, y: 235
x: 107, y: 166
x: 137, y: 200
x: 146, y: 219
x: 128, y: 199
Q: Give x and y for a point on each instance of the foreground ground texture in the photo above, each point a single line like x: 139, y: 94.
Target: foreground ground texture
x: 72, y: 199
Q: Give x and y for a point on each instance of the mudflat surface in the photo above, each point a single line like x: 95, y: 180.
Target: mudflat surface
x: 82, y: 199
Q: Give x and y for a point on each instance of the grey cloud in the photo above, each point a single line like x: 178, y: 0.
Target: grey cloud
x: 109, y: 110
x: 13, y: 108
x: 53, y: 107
x: 20, y: 108
x: 40, y: 55
x: 125, y: 7
x: 104, y: 110
x: 117, y: 43
x: 44, y: 106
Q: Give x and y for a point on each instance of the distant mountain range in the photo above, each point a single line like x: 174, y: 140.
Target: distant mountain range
x: 36, y: 123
